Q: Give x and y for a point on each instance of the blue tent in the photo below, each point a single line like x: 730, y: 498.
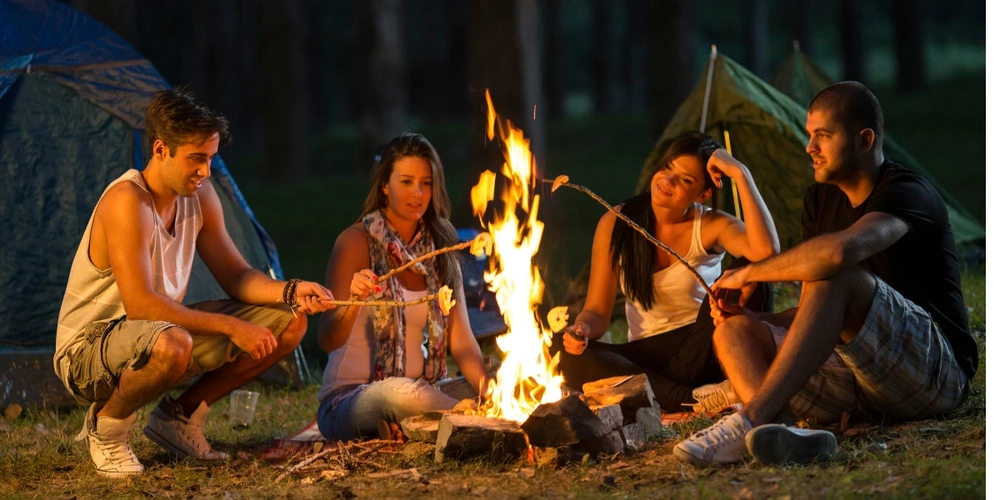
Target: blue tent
x: 73, y: 97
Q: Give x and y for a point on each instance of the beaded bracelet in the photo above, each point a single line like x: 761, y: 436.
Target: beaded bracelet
x: 288, y: 294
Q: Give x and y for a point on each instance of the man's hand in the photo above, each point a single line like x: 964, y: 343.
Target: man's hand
x: 255, y: 340
x: 576, y: 337
x: 733, y: 278
x: 310, y: 297
x: 723, y: 310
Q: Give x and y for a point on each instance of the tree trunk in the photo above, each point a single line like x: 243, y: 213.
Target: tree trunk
x: 119, y: 15
x: 850, y: 39
x: 383, y: 95
x: 670, y: 58
x: 758, y: 57
x: 504, y: 58
x: 908, y: 19
x: 601, y: 50
x: 285, y: 154
x: 555, y: 86
x: 799, y: 13
x: 635, y: 47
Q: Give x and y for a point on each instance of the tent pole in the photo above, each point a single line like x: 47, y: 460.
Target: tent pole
x: 708, y: 87
x: 736, y: 192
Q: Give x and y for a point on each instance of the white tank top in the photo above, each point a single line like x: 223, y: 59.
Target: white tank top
x: 677, y: 295
x: 352, y: 363
x: 92, y: 293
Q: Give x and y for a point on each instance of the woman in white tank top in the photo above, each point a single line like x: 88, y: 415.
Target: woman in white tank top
x: 384, y: 361
x: 670, y: 326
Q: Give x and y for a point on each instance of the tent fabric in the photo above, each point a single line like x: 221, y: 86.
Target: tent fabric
x: 800, y: 78
x: 767, y: 133
x: 73, y: 96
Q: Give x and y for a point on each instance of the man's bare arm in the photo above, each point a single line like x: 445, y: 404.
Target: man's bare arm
x: 825, y: 255
x: 223, y: 259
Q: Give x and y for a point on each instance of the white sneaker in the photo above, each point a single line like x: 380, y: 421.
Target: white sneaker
x: 180, y: 435
x: 714, y: 397
x: 776, y: 444
x: 722, y: 443
x: 109, y: 448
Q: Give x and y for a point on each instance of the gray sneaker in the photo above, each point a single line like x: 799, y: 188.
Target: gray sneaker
x: 722, y: 443
x: 181, y: 436
x: 776, y: 444
x: 108, y: 441
x: 714, y: 397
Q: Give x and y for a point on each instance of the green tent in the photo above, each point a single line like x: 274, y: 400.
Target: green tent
x: 766, y: 132
x: 801, y: 79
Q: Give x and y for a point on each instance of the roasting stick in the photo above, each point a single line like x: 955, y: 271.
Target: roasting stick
x: 563, y: 180
x: 481, y: 244
x: 443, y: 298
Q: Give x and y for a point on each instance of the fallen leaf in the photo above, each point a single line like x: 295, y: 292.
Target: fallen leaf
x: 528, y: 472
x: 13, y: 411
x: 479, y: 490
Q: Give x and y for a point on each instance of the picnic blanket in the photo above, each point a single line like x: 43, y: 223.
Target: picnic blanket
x: 306, y: 441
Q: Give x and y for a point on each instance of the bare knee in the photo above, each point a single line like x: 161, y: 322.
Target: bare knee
x: 172, y: 350
x: 292, y: 335
x: 741, y: 333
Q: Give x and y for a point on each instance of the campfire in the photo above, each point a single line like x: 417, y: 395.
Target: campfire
x: 527, y: 376
x: 528, y: 414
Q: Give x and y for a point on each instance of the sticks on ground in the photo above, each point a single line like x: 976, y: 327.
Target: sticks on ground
x: 366, y: 448
x: 563, y: 180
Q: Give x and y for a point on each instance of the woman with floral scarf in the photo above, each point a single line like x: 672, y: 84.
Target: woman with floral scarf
x: 384, y: 362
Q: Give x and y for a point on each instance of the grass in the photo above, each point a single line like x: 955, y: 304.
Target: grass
x: 926, y: 459
x: 941, y: 458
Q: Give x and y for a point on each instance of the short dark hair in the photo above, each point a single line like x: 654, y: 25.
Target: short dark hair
x: 854, y: 105
x: 176, y: 117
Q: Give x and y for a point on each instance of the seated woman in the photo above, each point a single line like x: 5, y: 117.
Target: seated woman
x: 384, y: 361
x: 669, y: 322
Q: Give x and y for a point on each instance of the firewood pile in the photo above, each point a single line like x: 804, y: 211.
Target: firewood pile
x: 610, y: 416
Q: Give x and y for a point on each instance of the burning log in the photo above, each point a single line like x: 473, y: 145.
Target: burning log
x: 566, y: 422
x: 470, y: 436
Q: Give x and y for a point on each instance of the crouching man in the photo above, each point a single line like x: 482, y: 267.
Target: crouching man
x: 881, y: 325
x: 124, y: 338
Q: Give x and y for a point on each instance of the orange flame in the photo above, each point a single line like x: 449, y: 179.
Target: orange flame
x: 527, y: 376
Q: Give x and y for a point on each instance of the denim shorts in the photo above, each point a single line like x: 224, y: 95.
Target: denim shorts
x: 899, y: 365
x: 109, y: 347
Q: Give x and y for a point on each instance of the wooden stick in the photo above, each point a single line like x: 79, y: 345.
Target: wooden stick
x: 563, y: 180
x: 297, y: 467
x: 443, y: 297
x: 481, y: 243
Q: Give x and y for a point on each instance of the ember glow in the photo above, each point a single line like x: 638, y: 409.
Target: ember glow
x: 527, y: 376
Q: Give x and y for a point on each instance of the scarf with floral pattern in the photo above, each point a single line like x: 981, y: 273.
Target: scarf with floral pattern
x: 388, y: 251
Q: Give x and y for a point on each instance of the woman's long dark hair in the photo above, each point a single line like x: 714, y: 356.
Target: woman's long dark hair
x: 633, y: 256
x: 408, y: 145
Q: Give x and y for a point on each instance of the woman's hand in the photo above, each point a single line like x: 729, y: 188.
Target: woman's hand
x: 575, y: 338
x: 364, y: 284
x: 720, y: 164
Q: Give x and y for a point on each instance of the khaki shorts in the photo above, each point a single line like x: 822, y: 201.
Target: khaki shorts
x: 112, y: 346
x: 899, y: 365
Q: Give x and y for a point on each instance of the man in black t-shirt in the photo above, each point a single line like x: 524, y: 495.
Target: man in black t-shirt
x: 881, y: 325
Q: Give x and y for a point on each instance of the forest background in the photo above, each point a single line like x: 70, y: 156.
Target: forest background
x: 311, y: 87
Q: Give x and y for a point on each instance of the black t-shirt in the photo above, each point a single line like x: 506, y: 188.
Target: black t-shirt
x: 922, y: 265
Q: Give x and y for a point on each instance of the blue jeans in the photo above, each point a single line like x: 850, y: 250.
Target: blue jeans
x: 391, y: 399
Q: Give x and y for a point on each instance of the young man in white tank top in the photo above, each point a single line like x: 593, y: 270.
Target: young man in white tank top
x: 124, y: 338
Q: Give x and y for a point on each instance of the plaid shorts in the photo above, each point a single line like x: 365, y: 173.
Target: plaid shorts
x: 112, y: 346
x: 899, y: 366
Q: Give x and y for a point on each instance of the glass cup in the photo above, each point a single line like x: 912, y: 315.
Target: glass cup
x: 242, y: 405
